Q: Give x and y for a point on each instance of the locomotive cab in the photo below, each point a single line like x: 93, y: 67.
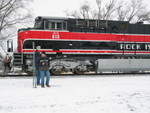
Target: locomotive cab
x: 53, y: 23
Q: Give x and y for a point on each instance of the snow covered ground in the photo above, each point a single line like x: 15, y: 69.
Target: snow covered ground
x: 77, y: 94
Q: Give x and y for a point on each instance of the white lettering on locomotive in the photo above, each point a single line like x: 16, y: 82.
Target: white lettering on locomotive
x: 138, y: 47
x: 130, y: 47
x: 55, y: 35
x: 147, y: 46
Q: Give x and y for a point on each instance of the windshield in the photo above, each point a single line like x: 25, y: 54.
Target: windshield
x: 38, y: 22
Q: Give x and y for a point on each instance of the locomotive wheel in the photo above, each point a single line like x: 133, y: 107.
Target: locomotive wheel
x: 78, y: 72
x: 57, y: 70
x: 30, y: 73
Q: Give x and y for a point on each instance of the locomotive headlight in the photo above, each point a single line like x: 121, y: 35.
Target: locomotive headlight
x: 29, y: 62
x: 65, y: 56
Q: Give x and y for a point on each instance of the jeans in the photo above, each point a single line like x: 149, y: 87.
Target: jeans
x: 43, y: 74
x: 38, y: 75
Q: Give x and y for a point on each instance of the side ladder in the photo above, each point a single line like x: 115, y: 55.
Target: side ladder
x: 17, y: 62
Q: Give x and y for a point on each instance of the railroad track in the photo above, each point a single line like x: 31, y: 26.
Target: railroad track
x: 100, y: 74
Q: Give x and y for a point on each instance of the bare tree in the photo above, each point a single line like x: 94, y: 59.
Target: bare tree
x: 121, y: 11
x: 109, y: 9
x: 84, y: 11
x: 143, y: 16
x: 106, y: 10
x: 12, y: 13
x: 94, y: 14
x: 132, y: 11
x: 74, y: 13
x: 99, y: 5
x: 135, y: 7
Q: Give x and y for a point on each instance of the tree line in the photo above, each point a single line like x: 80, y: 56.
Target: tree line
x: 13, y: 13
x: 132, y: 11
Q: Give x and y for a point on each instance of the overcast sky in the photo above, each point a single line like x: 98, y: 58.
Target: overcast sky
x: 57, y: 7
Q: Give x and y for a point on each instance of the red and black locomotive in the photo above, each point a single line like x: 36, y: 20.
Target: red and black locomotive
x: 75, y: 45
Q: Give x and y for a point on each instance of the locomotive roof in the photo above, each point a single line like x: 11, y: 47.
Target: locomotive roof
x: 51, y: 17
x: 66, y: 18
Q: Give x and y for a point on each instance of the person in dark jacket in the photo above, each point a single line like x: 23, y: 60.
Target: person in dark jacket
x: 37, y: 58
x: 44, y: 70
x: 7, y: 64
